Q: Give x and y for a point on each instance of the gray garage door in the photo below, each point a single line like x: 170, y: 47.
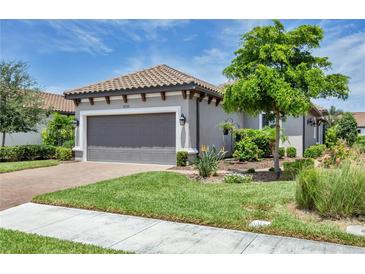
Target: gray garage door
x: 137, y: 138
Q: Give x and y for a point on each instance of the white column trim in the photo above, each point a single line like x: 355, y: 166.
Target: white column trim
x: 83, y: 122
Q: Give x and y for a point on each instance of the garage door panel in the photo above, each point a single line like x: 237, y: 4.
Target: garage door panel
x: 142, y: 138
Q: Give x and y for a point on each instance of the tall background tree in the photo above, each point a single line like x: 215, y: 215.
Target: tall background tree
x: 333, y: 115
x: 274, y: 71
x: 20, y: 101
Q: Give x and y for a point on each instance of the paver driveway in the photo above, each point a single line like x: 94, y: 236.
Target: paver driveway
x: 21, y: 186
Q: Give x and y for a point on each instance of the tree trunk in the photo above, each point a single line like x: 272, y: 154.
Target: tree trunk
x: 277, y: 142
x: 3, y: 139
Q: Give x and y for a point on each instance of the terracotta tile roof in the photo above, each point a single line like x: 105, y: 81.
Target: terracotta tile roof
x: 155, y: 77
x: 360, y: 118
x: 58, y: 103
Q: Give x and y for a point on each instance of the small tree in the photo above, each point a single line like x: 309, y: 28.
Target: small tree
x: 275, y: 72
x: 346, y: 128
x: 20, y: 100
x: 59, y: 131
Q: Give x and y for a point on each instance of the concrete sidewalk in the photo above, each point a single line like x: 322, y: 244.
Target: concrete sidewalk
x: 143, y: 235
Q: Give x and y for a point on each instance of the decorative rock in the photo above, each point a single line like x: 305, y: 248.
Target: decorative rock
x: 358, y: 230
x: 259, y: 223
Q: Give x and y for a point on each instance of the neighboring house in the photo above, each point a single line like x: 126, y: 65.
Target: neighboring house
x: 54, y: 102
x: 360, y: 120
x: 149, y: 115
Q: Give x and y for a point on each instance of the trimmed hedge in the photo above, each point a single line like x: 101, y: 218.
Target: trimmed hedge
x: 32, y: 152
x: 181, y: 158
x: 314, y: 151
x: 63, y: 154
x: 291, y: 152
x: 281, y: 152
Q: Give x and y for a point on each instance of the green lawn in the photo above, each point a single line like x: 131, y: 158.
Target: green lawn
x: 15, y: 242
x: 15, y: 166
x: 172, y: 196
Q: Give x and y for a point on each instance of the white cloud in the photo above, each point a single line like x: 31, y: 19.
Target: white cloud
x: 190, y: 37
x: 208, y: 66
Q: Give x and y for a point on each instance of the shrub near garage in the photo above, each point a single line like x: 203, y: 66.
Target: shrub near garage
x: 63, y: 154
x: 27, y: 153
x: 181, y: 158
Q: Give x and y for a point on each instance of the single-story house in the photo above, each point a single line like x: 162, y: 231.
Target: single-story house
x: 51, y: 101
x: 149, y: 115
x: 360, y: 120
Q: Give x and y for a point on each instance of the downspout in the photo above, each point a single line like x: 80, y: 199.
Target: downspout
x: 197, y: 126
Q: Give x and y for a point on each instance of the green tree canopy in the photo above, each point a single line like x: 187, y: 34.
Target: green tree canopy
x: 346, y: 128
x: 275, y: 71
x: 20, y: 100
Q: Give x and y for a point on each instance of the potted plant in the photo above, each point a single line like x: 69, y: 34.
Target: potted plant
x: 227, y: 127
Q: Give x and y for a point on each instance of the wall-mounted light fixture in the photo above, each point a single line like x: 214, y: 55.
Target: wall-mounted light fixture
x: 75, y: 123
x: 311, y: 122
x: 182, y: 119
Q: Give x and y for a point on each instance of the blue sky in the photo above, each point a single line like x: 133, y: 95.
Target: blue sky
x: 65, y: 54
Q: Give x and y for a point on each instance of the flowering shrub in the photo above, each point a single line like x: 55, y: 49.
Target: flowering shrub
x: 237, y: 178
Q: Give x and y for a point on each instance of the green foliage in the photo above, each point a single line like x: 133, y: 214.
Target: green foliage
x: 335, y: 155
x: 333, y: 192
x: 21, y: 105
x: 237, y: 178
x: 281, y: 152
x: 251, y: 170
x: 293, y: 168
x: 227, y: 127
x: 207, y: 161
x: 27, y: 153
x: 360, y: 144
x: 331, y: 137
x: 247, y: 150
x: 63, y: 153
x: 275, y: 71
x: 181, y: 158
x: 291, y: 152
x: 333, y: 116
x: 314, y: 151
x: 347, y: 128
x: 59, y: 131
x: 263, y: 138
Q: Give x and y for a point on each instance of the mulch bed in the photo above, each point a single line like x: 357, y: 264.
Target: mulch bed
x: 237, y: 166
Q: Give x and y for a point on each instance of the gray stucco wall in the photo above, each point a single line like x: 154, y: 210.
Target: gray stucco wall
x: 293, y: 129
x: 27, y: 138
x: 310, y: 136
x: 250, y: 121
x: 210, y: 132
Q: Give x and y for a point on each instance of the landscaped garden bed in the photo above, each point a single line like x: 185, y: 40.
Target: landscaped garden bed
x: 175, y: 197
x: 15, y: 242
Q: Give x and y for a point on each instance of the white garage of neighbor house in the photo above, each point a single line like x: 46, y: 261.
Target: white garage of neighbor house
x: 149, y: 115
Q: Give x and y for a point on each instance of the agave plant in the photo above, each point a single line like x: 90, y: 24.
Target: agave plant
x: 208, y: 159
